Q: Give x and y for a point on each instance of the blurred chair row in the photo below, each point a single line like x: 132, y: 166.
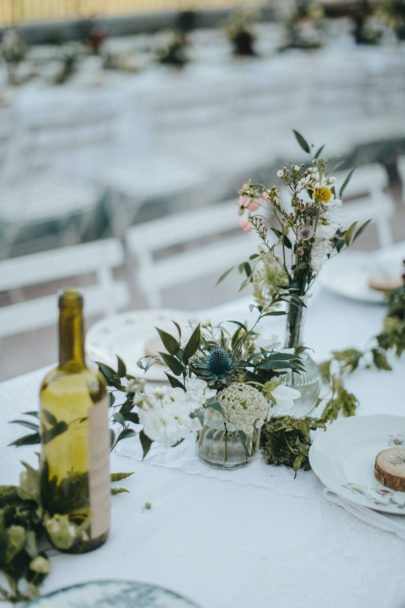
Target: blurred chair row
x: 67, y: 163
x: 160, y: 254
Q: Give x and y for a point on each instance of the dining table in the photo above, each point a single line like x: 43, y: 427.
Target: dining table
x: 257, y: 537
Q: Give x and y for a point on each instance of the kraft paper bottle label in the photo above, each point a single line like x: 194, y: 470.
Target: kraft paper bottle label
x: 99, y: 468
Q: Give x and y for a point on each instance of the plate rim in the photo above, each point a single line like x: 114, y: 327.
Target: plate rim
x: 175, y: 594
x: 330, y: 484
x: 150, y: 313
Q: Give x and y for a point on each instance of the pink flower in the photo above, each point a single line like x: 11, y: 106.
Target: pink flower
x: 253, y: 205
x: 245, y: 187
x: 245, y: 225
x: 249, y: 203
x: 243, y: 201
x: 265, y: 196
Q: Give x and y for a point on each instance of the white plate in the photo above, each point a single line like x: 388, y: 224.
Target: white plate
x: 348, y: 275
x: 127, y: 335
x: 120, y: 594
x: 343, y: 458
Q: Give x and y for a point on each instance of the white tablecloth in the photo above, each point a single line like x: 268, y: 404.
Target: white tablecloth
x: 235, y: 541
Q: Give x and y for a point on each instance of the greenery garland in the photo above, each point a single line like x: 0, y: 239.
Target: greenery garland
x: 286, y: 440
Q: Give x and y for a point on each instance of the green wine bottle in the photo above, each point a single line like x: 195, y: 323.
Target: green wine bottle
x: 75, y: 479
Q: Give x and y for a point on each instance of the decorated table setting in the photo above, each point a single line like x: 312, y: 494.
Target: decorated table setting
x: 215, y: 424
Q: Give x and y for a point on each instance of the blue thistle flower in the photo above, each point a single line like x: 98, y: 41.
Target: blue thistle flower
x: 219, y: 363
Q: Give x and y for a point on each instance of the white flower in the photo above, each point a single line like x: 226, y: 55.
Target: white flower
x: 321, y: 250
x: 244, y: 407
x: 280, y: 173
x: 168, y: 420
x: 284, y: 397
x: 331, y: 179
x: 332, y: 202
x: 198, y: 392
x: 166, y: 412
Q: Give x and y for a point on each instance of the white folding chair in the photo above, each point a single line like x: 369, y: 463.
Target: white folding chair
x: 69, y: 265
x: 50, y: 193
x: 401, y: 171
x: 195, y: 244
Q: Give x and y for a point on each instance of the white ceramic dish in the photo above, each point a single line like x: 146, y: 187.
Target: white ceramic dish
x: 349, y: 274
x: 120, y: 594
x: 343, y: 458
x: 128, y: 334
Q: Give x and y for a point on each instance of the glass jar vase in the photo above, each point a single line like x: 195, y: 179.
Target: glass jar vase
x: 225, y: 449
x: 307, y: 381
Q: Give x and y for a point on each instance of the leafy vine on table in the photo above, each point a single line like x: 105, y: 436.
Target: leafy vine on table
x: 286, y: 440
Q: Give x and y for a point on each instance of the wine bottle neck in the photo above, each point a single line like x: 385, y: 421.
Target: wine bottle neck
x: 71, y: 335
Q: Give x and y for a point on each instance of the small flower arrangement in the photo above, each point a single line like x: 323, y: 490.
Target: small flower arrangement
x: 299, y: 228
x: 303, y: 27
x: 173, y: 50
x: 13, y: 51
x: 239, y: 28
x: 298, y: 232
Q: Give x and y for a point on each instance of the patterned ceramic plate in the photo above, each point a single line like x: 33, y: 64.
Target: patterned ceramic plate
x: 106, y: 594
x: 129, y: 334
x: 343, y: 458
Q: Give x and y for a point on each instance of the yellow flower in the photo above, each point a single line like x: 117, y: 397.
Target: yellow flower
x: 322, y: 194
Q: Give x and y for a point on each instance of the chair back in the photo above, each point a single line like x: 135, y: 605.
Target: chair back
x: 68, y: 266
x: 191, y: 245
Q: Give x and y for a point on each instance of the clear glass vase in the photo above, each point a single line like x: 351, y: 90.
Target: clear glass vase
x: 225, y: 449
x: 307, y: 381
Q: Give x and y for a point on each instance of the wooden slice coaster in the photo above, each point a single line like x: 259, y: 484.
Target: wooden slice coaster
x: 384, y: 282
x: 389, y: 468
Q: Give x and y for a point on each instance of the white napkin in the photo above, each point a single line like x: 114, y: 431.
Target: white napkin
x: 384, y: 521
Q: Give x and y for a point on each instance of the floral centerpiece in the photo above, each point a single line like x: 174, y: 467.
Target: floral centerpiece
x: 240, y: 29
x: 224, y: 385
x: 173, y: 49
x: 299, y: 227
x: 13, y: 51
x: 303, y: 25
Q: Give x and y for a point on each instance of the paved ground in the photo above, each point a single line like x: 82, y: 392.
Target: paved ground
x: 25, y: 352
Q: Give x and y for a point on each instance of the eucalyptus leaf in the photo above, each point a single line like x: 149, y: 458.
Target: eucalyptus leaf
x: 31, y: 439
x: 192, y: 345
x: 146, y: 443
x: 319, y: 151
x: 174, y: 382
x: 224, y: 275
x: 121, y: 368
x: 345, y: 183
x: 30, y: 425
x: 349, y: 233
x: 302, y: 141
x: 361, y: 230
x: 172, y: 363
x: 50, y: 434
x: 171, y: 344
x: 49, y: 417
x: 107, y: 372
x: 120, y: 476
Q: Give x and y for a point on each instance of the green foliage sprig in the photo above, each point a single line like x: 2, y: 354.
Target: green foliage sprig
x: 26, y: 528
x: 219, y: 356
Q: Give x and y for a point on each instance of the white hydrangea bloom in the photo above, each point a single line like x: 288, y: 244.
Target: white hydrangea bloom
x: 244, y: 407
x: 198, y: 392
x: 165, y: 412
